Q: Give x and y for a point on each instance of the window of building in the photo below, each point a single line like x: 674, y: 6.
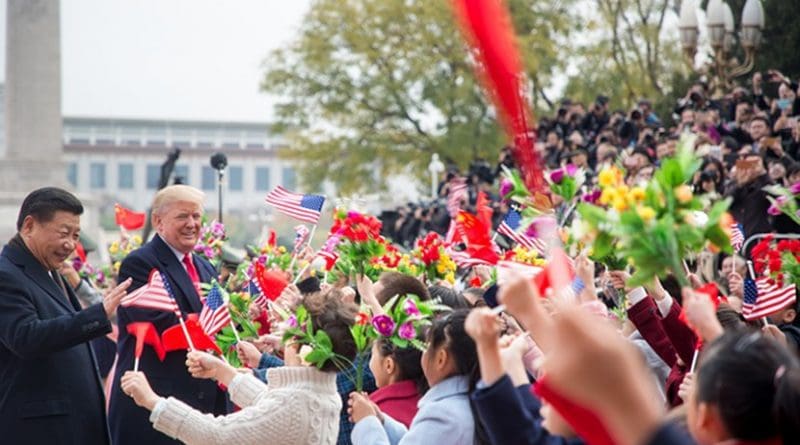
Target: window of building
x: 289, y: 178
x: 262, y: 179
x: 125, y: 176
x: 153, y: 175
x: 182, y: 172
x: 97, y: 175
x: 72, y: 174
x: 209, y: 180
x: 235, y: 179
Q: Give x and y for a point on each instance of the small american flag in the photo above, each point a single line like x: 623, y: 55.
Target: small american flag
x: 330, y: 258
x: 457, y: 192
x: 301, y: 236
x: 256, y: 294
x: 215, y: 314
x: 510, y: 226
x: 306, y: 208
x: 737, y: 237
x: 153, y: 295
x: 464, y: 260
x: 506, y: 268
x: 762, y: 298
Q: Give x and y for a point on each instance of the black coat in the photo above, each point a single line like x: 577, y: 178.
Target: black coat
x: 129, y: 423
x: 50, y: 390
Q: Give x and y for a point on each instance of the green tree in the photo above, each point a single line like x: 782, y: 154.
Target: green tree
x: 629, y: 52
x: 370, y: 88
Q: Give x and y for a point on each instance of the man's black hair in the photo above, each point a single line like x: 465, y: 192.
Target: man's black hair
x: 43, y: 203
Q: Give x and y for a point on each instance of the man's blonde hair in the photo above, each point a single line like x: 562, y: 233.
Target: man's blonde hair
x: 174, y: 193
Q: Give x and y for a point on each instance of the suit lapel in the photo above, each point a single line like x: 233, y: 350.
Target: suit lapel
x: 37, y: 274
x: 174, y: 269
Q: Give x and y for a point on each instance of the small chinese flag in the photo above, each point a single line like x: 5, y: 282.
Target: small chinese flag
x: 127, y: 218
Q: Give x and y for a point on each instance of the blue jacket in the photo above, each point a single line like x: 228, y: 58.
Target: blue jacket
x: 129, y: 423
x: 511, y: 415
x: 50, y: 391
x: 444, y: 418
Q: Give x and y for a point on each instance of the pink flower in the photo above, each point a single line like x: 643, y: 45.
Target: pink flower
x: 411, y: 307
x: 383, y: 324
x: 774, y: 210
x: 291, y: 322
x: 556, y: 176
x: 795, y: 188
x: 505, y: 187
x: 407, y: 331
x: 571, y: 169
x: 781, y: 200
x: 591, y: 197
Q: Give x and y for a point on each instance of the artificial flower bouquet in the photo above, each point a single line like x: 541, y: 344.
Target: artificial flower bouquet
x: 778, y: 259
x: 358, y: 242
x: 430, y: 253
x: 209, y: 245
x: 656, y: 225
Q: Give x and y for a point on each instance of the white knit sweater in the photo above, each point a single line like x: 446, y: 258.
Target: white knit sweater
x: 300, y: 406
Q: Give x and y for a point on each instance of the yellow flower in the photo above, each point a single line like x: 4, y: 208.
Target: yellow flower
x: 113, y: 249
x: 607, y: 177
x: 646, y: 213
x: 620, y: 204
x: 608, y: 195
x: 450, y: 277
x: 637, y: 193
x: 281, y: 249
x: 683, y: 194
x: 136, y: 240
x: 117, y: 265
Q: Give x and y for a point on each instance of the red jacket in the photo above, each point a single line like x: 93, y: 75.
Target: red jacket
x: 398, y: 400
x: 669, y: 337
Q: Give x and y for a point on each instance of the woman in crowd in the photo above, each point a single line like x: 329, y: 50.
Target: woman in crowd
x: 299, y: 406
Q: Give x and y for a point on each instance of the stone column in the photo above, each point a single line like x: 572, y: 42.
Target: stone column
x: 34, y: 151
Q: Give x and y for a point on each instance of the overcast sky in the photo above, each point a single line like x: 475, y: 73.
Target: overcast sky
x: 189, y: 59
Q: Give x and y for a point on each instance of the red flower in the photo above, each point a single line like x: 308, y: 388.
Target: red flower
x: 362, y: 318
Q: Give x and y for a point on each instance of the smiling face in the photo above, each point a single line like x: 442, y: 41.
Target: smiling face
x: 52, y: 242
x: 179, y: 223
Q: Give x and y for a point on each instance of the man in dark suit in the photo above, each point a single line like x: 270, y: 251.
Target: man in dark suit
x: 176, y: 214
x: 50, y: 389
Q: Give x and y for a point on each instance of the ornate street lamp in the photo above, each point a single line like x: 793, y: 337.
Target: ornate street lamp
x: 721, y: 36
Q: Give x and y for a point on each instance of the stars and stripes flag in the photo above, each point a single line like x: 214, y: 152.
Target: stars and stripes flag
x: 457, y: 192
x: 301, y: 236
x: 306, y: 208
x: 510, y: 226
x: 763, y: 297
x: 155, y: 295
x: 737, y: 236
x: 256, y: 294
x: 464, y: 260
x: 215, y: 314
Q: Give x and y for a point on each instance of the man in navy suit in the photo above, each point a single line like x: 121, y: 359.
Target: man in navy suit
x: 176, y: 214
x: 50, y: 389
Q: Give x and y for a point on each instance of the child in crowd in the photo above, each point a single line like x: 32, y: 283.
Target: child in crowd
x: 445, y: 415
x: 399, y: 378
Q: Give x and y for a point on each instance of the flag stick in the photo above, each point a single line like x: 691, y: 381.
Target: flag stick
x: 186, y: 332
x: 311, y: 235
x: 494, y: 237
x: 235, y: 332
x: 766, y: 322
x: 750, y: 268
x: 694, y: 359
x: 135, y: 364
x: 300, y: 274
x: 499, y: 308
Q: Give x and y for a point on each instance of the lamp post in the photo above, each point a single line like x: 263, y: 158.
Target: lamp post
x: 435, y: 167
x: 721, y: 36
x: 218, y: 162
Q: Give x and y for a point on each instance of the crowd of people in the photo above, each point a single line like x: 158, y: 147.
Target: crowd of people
x: 474, y: 360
